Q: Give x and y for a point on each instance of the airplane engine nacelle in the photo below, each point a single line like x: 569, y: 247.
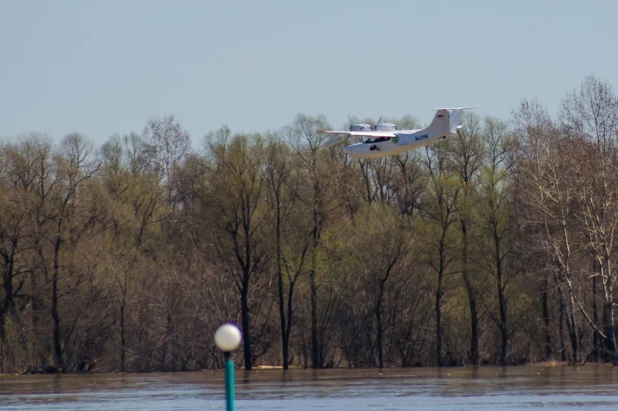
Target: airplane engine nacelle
x: 360, y: 127
x: 386, y: 127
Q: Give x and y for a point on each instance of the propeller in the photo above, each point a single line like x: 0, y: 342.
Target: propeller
x: 380, y: 119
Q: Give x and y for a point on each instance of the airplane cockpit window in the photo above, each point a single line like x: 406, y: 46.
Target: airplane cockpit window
x: 378, y: 140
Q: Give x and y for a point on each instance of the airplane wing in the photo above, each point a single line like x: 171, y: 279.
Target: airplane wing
x: 364, y: 133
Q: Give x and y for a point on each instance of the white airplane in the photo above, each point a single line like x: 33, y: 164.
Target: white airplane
x: 386, y: 139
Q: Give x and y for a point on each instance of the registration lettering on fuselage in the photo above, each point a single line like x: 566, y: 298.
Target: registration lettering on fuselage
x: 421, y: 137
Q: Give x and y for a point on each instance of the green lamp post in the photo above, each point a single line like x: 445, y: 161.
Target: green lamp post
x: 227, y: 339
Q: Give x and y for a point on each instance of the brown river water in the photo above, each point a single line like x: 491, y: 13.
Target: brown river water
x: 485, y: 388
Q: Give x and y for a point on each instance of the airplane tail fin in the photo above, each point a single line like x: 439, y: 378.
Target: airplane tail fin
x: 447, y: 120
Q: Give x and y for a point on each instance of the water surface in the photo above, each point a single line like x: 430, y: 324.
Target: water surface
x: 486, y: 388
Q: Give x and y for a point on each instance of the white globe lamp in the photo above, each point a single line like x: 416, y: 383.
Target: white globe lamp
x: 228, y: 337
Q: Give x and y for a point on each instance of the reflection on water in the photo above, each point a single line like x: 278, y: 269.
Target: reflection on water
x: 371, y: 389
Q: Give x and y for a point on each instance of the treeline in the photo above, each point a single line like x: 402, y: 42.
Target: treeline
x: 495, y: 246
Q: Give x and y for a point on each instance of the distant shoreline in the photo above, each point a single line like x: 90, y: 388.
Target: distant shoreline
x: 542, y: 364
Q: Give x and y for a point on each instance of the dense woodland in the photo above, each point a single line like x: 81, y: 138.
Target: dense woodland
x: 495, y: 246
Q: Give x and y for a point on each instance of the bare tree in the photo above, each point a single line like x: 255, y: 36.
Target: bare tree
x: 17, y: 177
x: 318, y: 179
x: 237, y: 189
x: 590, y: 114
x: 381, y: 256
x: 443, y: 192
x: 545, y: 167
x: 290, y: 265
x: 497, y: 221
x: 166, y: 146
x: 74, y: 169
x: 466, y: 154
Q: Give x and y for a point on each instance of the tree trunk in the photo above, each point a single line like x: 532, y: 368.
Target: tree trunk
x: 474, y: 341
x: 610, y: 341
x: 572, y: 329
x: 244, y: 307
x: 122, y: 332
x: 595, y: 316
x: 34, y: 320
x: 501, y: 300
x: 503, y: 326
x: 439, y: 318
x: 561, y: 323
x: 54, y: 305
x: 288, y: 328
x: 3, y: 312
x: 315, y: 349
x: 545, y: 305
x: 284, y: 339
x: 438, y: 300
x: 379, y: 336
x: 316, y: 361
x: 438, y: 329
x: 8, y: 306
x: 3, y: 347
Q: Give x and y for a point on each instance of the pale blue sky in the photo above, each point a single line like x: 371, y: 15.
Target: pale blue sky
x: 104, y: 67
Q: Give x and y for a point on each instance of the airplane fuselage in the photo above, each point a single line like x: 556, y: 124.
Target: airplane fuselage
x: 380, y: 147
